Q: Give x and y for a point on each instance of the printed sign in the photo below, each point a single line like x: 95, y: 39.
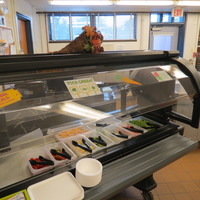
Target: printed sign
x: 177, y: 12
x: 161, y: 76
x: 130, y: 81
x: 9, y: 97
x: 82, y: 87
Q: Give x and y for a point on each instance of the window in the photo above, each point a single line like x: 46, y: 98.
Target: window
x: 124, y: 24
x: 59, y: 27
x: 78, y: 21
x: 67, y: 26
x: 165, y: 18
x: 117, y: 26
x: 179, y: 19
x: 155, y: 17
x: 105, y: 24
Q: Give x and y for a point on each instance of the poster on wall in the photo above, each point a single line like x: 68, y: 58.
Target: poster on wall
x: 9, y: 36
x: 6, y: 35
x: 2, y: 20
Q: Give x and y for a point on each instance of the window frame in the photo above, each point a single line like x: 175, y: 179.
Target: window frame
x: 50, y: 28
x: 70, y: 15
x: 92, y: 20
x: 169, y: 22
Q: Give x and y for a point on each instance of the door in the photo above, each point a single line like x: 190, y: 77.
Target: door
x: 164, y: 38
x: 25, y: 37
x: 22, y: 36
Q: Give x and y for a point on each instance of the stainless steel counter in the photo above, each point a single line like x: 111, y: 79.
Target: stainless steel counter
x: 131, y: 169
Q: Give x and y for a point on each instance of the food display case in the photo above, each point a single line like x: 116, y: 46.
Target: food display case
x: 121, y: 108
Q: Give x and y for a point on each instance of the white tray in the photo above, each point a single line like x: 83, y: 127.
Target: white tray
x: 130, y: 133
x: 61, y: 187
x: 109, y: 121
x: 68, y: 142
x: 94, y: 134
x: 60, y: 145
x: 107, y: 131
x: 62, y: 138
x: 35, y: 153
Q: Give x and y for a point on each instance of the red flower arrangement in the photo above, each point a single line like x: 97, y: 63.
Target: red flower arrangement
x: 93, y: 40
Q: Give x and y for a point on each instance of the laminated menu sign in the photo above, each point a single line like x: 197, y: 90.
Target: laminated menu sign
x: 9, y: 97
x: 18, y: 196
x: 82, y: 87
x: 161, y: 76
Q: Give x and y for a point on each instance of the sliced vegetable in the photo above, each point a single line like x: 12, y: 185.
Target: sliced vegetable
x: 133, y: 129
x: 121, y: 136
x: 145, y: 124
x: 71, y: 132
x: 75, y: 143
x: 40, y: 162
x: 98, y: 141
x: 59, y: 154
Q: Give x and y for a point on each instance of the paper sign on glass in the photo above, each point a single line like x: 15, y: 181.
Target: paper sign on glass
x: 161, y: 76
x: 9, y: 97
x: 82, y: 87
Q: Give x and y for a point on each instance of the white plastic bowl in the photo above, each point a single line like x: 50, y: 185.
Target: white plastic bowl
x: 89, y: 172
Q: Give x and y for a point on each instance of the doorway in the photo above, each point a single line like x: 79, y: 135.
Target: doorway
x: 167, y: 38
x: 25, y: 36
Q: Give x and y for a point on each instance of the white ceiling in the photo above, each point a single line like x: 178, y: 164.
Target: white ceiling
x: 43, y: 5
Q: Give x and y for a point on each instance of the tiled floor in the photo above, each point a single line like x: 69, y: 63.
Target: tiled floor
x: 177, y: 181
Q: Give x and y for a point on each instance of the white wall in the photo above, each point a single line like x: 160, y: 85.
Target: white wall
x: 191, y: 35
x: 44, y: 33
x: 143, y: 21
x: 26, y: 9
x: 37, y: 40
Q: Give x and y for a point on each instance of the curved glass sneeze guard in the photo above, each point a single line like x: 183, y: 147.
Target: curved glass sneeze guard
x: 48, y: 103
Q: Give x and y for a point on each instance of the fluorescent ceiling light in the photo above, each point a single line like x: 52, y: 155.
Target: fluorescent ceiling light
x: 122, y: 2
x: 74, y: 2
x: 188, y: 3
x: 145, y: 3
x: 1, y: 1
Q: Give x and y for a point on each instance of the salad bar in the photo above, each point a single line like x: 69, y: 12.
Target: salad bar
x: 122, y: 109
x: 83, y: 142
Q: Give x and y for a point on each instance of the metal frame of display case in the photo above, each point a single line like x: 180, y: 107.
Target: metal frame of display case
x: 131, y: 162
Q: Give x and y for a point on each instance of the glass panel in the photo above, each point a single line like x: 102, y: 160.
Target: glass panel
x: 47, y: 105
x: 123, y: 27
x: 155, y: 17
x: 171, y: 83
x: 77, y: 23
x: 105, y: 25
x: 179, y: 19
x: 61, y: 25
x: 50, y: 91
x: 162, y: 42
x: 167, y: 18
x: 51, y: 28
x: 134, y: 19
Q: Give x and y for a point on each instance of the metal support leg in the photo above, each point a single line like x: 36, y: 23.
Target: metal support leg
x: 146, y: 185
